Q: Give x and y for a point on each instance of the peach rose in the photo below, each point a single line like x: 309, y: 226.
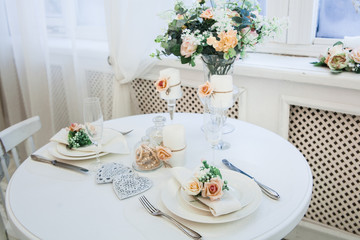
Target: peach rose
x: 333, y: 51
x: 187, y: 47
x: 180, y: 17
x: 338, y: 61
x: 207, y: 14
x: 74, y: 127
x: 193, y: 187
x: 163, y: 153
x: 162, y: 84
x: 213, y: 189
x: 355, y: 55
x: 205, y: 89
x: 232, y: 14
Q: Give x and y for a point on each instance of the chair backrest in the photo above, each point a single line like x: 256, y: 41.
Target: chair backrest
x: 13, y: 136
x: 9, y: 139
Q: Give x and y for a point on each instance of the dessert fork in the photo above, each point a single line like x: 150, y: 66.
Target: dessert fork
x: 156, y: 212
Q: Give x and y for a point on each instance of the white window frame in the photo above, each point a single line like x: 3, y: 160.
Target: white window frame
x: 299, y: 38
x: 82, y: 32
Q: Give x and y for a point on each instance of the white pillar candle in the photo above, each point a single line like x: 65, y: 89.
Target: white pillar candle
x: 222, y: 95
x: 174, y: 138
x: 174, y: 83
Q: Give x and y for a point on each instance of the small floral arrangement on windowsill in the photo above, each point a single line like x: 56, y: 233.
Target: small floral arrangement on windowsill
x: 77, y: 136
x: 207, y: 182
x: 340, y: 58
x: 214, y: 27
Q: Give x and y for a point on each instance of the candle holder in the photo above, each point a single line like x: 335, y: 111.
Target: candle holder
x: 169, y: 87
x: 171, y: 106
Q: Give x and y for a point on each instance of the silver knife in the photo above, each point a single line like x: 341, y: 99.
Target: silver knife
x: 267, y: 190
x: 57, y: 163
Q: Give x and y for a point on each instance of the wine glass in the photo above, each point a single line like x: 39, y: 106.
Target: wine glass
x: 213, y: 131
x: 93, y: 119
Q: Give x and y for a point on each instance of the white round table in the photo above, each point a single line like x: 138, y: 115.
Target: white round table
x: 47, y: 202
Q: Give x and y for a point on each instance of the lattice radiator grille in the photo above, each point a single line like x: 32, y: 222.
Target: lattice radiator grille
x: 330, y: 142
x: 59, y: 101
x: 150, y: 102
x: 100, y: 84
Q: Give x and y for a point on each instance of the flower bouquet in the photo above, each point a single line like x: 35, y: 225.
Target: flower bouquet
x: 340, y: 58
x: 77, y: 136
x: 217, y: 27
x: 207, y: 183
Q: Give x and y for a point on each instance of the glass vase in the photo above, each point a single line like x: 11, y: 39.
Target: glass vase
x: 216, y: 65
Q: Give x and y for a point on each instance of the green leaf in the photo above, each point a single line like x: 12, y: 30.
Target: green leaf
x: 335, y: 71
x: 185, y: 60
x: 193, y: 17
x: 319, y: 64
x: 175, y: 50
x: 338, y: 43
x: 237, y: 19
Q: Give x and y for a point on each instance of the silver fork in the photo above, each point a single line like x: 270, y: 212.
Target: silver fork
x: 156, y: 212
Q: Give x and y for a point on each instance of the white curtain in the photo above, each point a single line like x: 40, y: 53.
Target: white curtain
x: 27, y: 83
x: 132, y: 27
x: 24, y: 66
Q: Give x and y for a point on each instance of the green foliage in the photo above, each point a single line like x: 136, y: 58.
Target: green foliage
x: 78, y: 139
x: 212, y: 173
x: 338, y: 43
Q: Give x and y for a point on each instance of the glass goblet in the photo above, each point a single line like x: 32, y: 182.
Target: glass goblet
x: 213, y: 131
x: 93, y: 119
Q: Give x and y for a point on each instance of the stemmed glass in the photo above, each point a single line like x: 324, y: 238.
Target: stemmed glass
x: 93, y: 119
x: 213, y: 130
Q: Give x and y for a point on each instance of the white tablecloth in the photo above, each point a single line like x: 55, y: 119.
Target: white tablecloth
x: 47, y: 202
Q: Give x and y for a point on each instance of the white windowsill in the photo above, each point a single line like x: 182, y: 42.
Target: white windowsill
x: 259, y: 65
x: 286, y: 68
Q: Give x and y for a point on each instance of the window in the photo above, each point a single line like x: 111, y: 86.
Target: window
x: 337, y: 18
x: 86, y: 18
x: 314, y: 25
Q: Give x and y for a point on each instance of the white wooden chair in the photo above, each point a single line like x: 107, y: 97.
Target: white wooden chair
x: 10, y: 138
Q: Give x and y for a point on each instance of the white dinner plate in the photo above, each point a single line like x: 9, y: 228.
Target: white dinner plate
x: 53, y: 151
x: 243, y: 194
x: 248, y: 189
x: 74, y: 152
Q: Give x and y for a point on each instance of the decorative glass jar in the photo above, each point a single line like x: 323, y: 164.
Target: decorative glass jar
x: 155, y: 132
x: 145, y: 156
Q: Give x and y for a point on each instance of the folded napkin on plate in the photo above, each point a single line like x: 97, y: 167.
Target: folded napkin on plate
x: 226, y: 204
x: 112, y: 142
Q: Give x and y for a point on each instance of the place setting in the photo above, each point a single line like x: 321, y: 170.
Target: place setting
x: 89, y: 140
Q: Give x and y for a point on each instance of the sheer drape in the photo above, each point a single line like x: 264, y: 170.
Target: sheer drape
x: 131, y: 28
x: 25, y: 44
x: 29, y: 64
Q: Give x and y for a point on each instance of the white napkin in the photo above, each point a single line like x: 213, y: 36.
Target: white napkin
x: 226, y: 204
x: 112, y: 142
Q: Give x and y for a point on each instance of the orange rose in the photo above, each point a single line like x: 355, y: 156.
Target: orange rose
x: 213, y: 189
x: 162, y: 84
x: 193, y: 187
x: 163, y: 153
x: 180, y: 17
x: 207, y: 14
x: 205, y: 89
x: 74, y: 127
